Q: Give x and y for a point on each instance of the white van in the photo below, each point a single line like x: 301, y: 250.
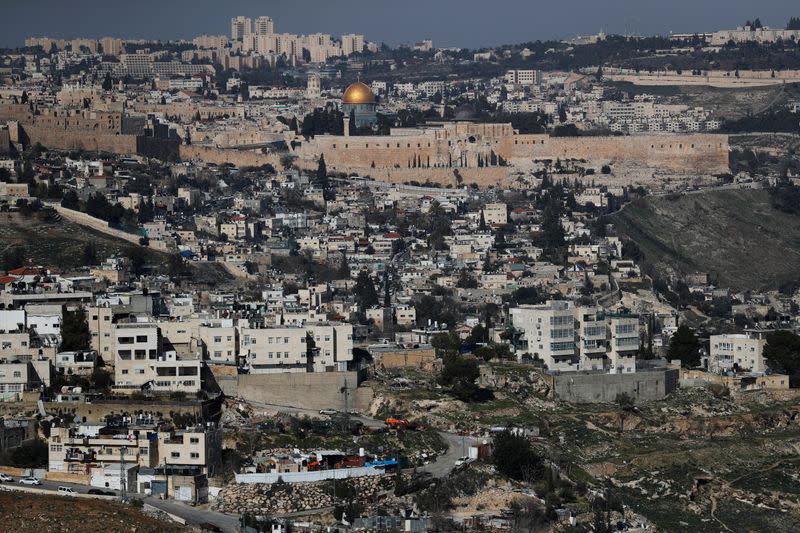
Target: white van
x: 66, y: 491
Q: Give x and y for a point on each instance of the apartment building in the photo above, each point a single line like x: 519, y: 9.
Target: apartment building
x: 548, y: 333
x: 495, y: 213
x: 742, y: 351
x: 569, y: 338
x: 142, y: 363
x: 199, y: 448
x: 287, y: 349
x: 100, y: 320
x: 77, y: 450
x: 220, y: 341
x: 523, y: 77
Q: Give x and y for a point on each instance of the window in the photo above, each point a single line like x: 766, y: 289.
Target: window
x: 194, y: 455
x: 141, y: 338
x: 175, y: 455
x: 194, y: 440
x: 217, y: 339
x: 125, y: 340
x: 124, y: 371
x: 17, y: 374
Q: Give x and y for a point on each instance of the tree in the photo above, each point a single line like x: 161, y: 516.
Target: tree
x: 322, y: 173
x: 75, y: 333
x: 482, y: 223
x: 364, y: 291
x: 793, y: 24
x: 71, y: 201
x: 684, y: 346
x: 90, y: 253
x: 465, y: 281
x: 514, y: 457
x: 460, y: 373
x: 108, y: 83
x: 782, y: 352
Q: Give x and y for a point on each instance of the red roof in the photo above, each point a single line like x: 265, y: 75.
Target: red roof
x: 25, y: 271
x: 7, y: 279
x: 392, y: 235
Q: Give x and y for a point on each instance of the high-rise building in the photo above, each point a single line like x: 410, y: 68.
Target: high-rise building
x: 241, y: 27
x: 352, y: 43
x: 263, y: 26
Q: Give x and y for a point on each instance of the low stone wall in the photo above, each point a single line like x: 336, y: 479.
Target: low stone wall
x: 61, y: 477
x: 418, y: 358
x: 284, y: 498
x: 603, y: 388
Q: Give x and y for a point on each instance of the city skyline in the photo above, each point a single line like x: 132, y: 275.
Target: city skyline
x: 514, y: 21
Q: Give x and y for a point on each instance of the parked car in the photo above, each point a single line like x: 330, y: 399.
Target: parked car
x: 329, y: 412
x: 29, y: 481
x: 5, y: 478
x: 96, y: 492
x: 463, y: 460
x: 67, y: 491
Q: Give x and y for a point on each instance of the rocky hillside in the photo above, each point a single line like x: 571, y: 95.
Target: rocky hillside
x: 735, y: 236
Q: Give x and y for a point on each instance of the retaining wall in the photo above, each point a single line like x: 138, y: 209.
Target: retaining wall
x: 301, y: 390
x: 604, y: 388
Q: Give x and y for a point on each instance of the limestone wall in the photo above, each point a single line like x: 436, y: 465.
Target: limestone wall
x: 79, y: 139
x: 89, y: 221
x: 219, y: 156
x: 698, y: 153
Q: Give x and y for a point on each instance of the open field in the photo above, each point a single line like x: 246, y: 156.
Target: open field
x: 736, y: 236
x: 33, y: 513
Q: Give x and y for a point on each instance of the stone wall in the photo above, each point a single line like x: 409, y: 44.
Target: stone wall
x: 419, y: 358
x: 296, y: 498
x: 299, y: 390
x: 89, y: 221
x: 696, y: 154
x: 603, y: 388
x: 79, y: 139
x: 219, y: 156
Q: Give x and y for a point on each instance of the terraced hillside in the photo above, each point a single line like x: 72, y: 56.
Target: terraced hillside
x: 736, y: 236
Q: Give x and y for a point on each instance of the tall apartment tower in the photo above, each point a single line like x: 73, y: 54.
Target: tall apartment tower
x: 241, y: 28
x: 352, y: 43
x: 263, y: 26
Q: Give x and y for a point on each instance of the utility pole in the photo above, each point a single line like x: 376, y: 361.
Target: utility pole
x: 346, y: 392
x: 123, y: 476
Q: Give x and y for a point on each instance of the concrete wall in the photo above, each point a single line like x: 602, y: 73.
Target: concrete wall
x: 418, y: 358
x: 603, y: 388
x: 318, y: 390
x: 62, y: 477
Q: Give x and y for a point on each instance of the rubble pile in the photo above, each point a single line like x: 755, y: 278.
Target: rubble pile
x: 283, y: 498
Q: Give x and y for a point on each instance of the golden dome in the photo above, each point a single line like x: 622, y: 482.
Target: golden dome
x: 358, y: 93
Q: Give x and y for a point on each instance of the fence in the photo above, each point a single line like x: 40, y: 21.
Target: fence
x: 308, y: 477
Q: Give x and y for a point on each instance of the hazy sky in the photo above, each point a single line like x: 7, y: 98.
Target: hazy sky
x: 469, y: 23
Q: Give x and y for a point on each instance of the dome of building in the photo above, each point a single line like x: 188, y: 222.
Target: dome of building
x: 358, y: 93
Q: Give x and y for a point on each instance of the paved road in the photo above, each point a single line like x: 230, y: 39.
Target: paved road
x: 458, y: 446
x: 192, y: 515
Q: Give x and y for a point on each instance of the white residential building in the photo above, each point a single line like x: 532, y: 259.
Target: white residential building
x: 742, y: 350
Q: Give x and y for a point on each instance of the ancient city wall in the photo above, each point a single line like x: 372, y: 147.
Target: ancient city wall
x: 219, y: 156
x: 79, y: 139
x: 699, y: 153
x: 89, y: 221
